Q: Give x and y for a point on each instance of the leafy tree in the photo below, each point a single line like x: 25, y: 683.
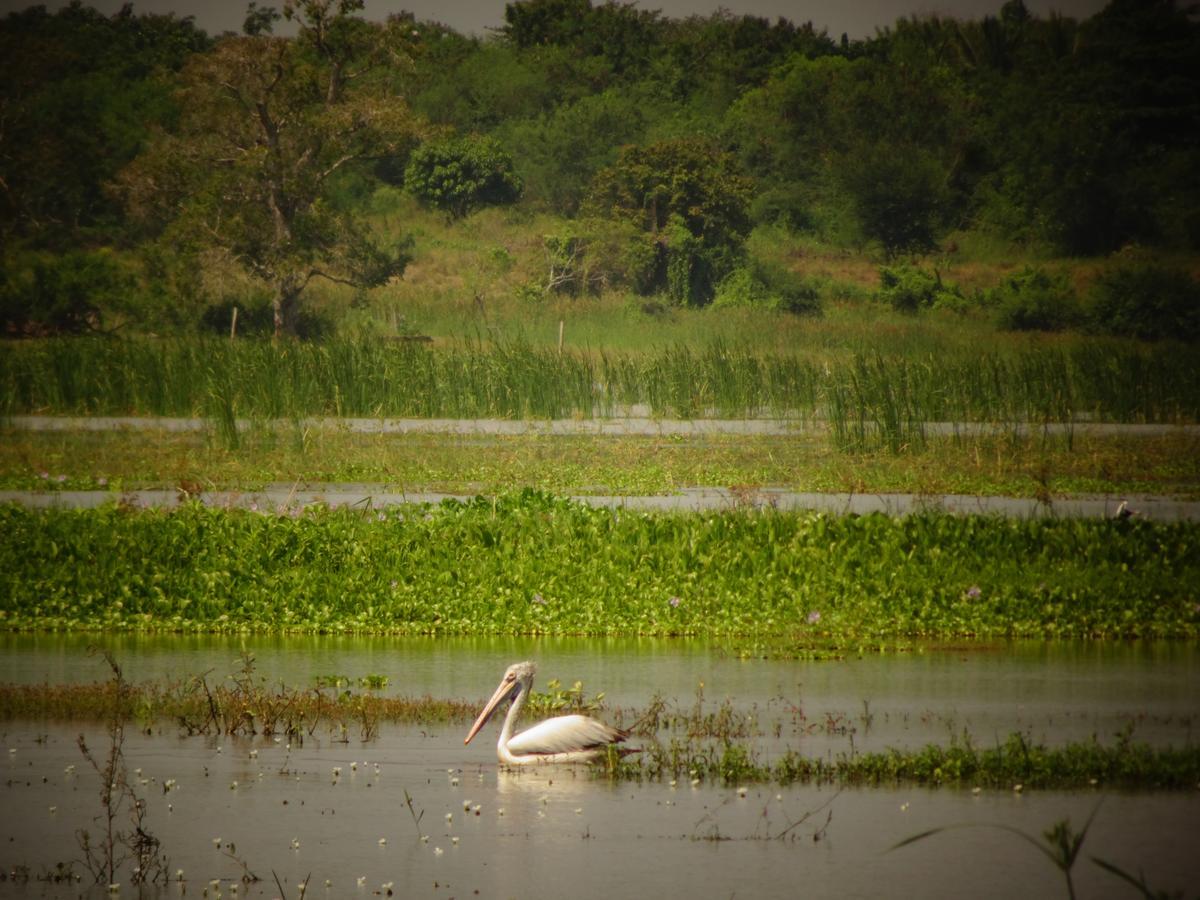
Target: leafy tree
x: 266, y: 124
x: 690, y: 204
x: 79, y: 95
x: 460, y: 175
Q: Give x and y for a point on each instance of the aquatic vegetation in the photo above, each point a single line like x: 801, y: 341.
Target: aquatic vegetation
x: 1016, y: 762
x: 871, y: 399
x: 529, y: 563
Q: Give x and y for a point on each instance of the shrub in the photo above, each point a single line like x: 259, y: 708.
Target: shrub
x: 767, y: 285
x: 460, y: 175
x: 911, y: 288
x: 1034, y: 300
x: 1147, y: 301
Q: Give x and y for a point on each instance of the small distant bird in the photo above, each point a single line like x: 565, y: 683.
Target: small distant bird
x: 1124, y: 512
x: 564, y: 739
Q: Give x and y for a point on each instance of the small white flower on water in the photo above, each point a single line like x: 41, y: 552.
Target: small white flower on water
x: 216, y: 842
x: 424, y: 839
x: 170, y: 807
x: 383, y: 842
x: 695, y: 782
x: 454, y: 840
x: 1018, y: 788
x: 500, y: 811
x: 449, y: 817
x: 362, y: 880
x: 741, y: 792
x: 69, y: 770
x: 477, y: 809
x: 137, y: 771
x: 233, y: 785
x: 215, y: 883
x: 233, y: 887
x: 976, y: 791
x: 579, y: 811
x: 113, y: 888
x: 53, y: 810
x: 466, y: 806
x: 328, y: 883
x: 904, y: 806
x: 220, y: 749
x: 541, y: 814
x: 295, y: 843
x: 337, y: 771
x: 353, y: 767
x: 438, y: 851
x: 672, y: 782
x: 453, y: 782
x: 12, y: 749
x: 254, y: 754
x: 779, y: 797
x: 179, y: 874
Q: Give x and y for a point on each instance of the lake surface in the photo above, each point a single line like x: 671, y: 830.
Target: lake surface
x: 563, y: 833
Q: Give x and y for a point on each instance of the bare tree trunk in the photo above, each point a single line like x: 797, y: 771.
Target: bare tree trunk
x: 285, y: 307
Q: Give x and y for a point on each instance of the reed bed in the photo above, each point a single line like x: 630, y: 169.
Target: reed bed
x: 532, y: 564
x: 870, y: 399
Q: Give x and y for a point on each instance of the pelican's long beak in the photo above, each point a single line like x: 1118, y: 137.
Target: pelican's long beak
x: 507, y: 686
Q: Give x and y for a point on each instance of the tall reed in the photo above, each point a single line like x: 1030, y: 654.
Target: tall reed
x: 870, y: 398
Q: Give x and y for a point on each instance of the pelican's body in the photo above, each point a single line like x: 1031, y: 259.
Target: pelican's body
x: 563, y: 739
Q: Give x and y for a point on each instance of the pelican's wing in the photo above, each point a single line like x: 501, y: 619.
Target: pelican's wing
x: 564, y: 734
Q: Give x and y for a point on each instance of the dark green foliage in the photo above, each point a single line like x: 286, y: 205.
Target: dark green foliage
x: 1146, y: 301
x: 69, y: 293
x: 690, y: 203
x: 899, y: 194
x: 1034, y: 300
x: 530, y: 563
x: 460, y: 175
x: 80, y: 94
x: 909, y: 288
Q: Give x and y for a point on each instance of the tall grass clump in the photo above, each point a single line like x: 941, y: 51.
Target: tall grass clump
x: 531, y: 564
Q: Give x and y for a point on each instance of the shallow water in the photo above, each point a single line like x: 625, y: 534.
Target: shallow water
x: 1053, y: 691
x: 562, y: 832
x: 554, y: 832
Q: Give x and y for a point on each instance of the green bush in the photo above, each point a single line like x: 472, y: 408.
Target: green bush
x: 1147, y: 301
x: 767, y: 285
x: 460, y: 175
x: 1034, y: 300
x: 910, y: 289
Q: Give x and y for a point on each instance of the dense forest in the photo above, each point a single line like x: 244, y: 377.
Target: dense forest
x: 137, y: 151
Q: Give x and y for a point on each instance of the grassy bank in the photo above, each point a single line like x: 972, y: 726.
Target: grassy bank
x: 531, y: 564
x: 1013, y: 465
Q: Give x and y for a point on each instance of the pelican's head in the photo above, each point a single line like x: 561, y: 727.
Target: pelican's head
x: 517, y: 677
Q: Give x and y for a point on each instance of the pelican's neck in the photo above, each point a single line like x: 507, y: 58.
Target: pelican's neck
x: 514, y: 712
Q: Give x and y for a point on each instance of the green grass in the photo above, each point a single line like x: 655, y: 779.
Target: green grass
x: 532, y: 564
x: 630, y: 465
x: 871, y: 399
x: 1018, y: 763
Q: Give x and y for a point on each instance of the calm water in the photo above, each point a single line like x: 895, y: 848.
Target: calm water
x: 562, y: 833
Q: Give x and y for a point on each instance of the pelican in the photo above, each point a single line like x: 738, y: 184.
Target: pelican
x: 563, y: 739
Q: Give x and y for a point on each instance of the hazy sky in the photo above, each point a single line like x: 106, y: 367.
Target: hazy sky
x: 858, y: 18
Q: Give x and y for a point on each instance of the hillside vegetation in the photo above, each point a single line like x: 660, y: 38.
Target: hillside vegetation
x: 648, y: 181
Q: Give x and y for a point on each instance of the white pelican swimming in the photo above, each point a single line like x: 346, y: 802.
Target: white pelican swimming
x: 563, y: 739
